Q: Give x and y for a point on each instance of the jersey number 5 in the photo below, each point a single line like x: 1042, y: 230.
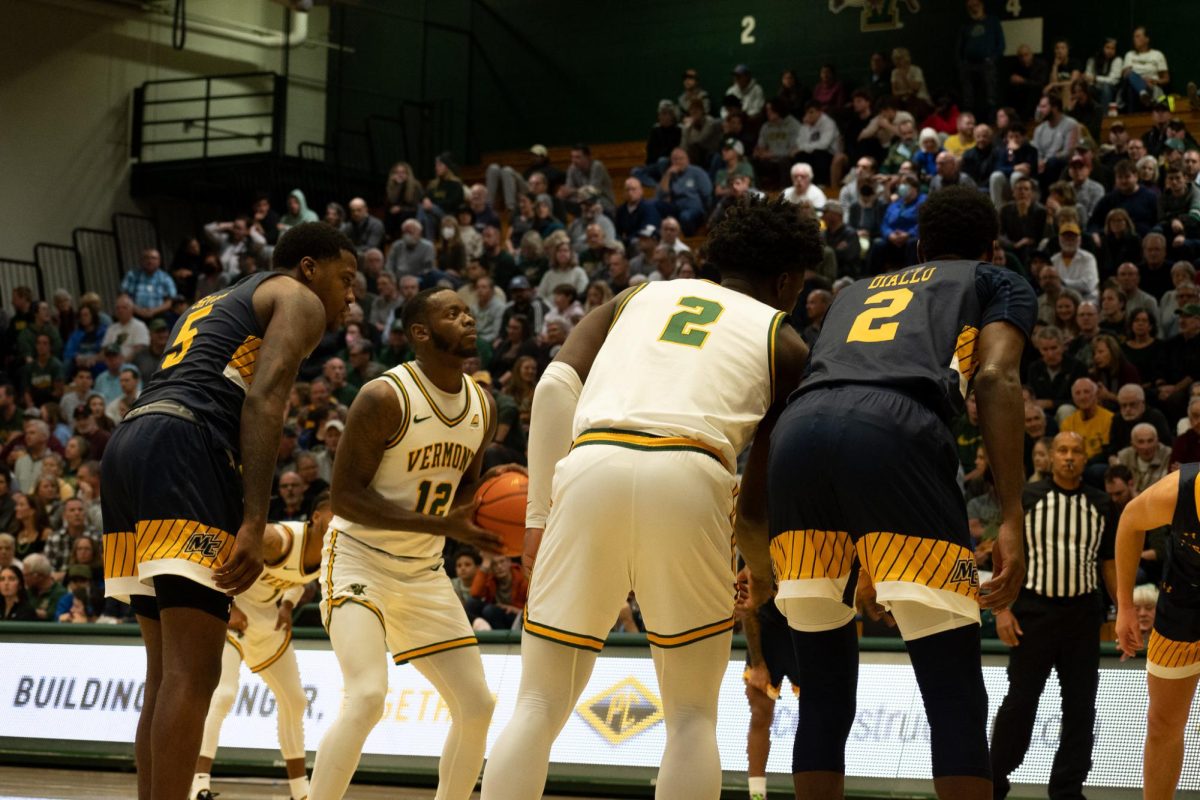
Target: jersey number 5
x: 884, y: 305
x: 687, y: 327
x: 183, y: 341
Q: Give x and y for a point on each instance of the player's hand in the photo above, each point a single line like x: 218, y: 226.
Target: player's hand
x: 758, y: 592
x: 283, y: 620
x: 237, y: 620
x: 460, y: 525
x: 866, y: 600
x: 741, y: 585
x: 1008, y: 629
x: 1129, y: 635
x: 533, y: 541
x: 501, y: 469
x: 239, y: 572
x: 758, y: 677
x: 1008, y: 568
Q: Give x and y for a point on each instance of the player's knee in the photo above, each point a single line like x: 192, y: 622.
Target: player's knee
x: 365, y: 703
x: 762, y: 708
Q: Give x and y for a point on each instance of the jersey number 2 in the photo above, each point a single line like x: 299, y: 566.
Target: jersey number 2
x: 687, y: 327
x: 183, y: 341
x: 884, y: 305
x: 441, y: 497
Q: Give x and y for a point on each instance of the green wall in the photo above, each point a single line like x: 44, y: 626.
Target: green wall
x: 520, y: 71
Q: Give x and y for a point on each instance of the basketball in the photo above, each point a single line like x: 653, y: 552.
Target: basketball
x: 502, y: 509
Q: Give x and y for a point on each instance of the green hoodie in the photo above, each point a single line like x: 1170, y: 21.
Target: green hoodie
x: 306, y: 214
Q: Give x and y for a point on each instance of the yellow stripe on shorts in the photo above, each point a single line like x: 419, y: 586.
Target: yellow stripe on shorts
x: 1170, y: 654
x: 577, y: 640
x: 645, y: 441
x: 934, y: 563
x: 287, y: 640
x: 811, y: 554
x: 689, y: 637
x: 432, y: 649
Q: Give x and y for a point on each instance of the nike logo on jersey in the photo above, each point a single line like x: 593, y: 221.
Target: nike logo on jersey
x: 419, y: 419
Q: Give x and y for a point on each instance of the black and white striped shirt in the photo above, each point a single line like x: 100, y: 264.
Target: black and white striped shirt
x: 1068, y: 532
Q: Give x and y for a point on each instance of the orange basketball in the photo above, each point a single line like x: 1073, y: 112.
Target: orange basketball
x: 502, y: 510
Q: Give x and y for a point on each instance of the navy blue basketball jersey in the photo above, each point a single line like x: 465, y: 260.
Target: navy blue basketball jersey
x: 210, y: 361
x: 915, y: 330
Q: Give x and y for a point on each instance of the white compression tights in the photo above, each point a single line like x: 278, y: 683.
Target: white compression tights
x: 552, y: 678
x: 457, y: 675
x: 283, y: 679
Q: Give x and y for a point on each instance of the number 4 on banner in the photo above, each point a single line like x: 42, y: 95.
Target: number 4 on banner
x: 1013, y: 7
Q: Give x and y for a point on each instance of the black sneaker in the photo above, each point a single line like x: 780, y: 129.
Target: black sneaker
x: 206, y: 794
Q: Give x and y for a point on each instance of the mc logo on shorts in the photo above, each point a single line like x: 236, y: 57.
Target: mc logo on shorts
x: 206, y: 544
x: 965, y: 571
x: 622, y: 711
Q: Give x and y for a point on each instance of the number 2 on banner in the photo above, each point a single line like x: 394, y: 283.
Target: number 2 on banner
x: 885, y: 306
x: 748, y: 24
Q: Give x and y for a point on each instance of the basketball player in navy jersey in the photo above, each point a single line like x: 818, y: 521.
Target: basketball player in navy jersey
x: 863, y: 476
x: 187, y: 479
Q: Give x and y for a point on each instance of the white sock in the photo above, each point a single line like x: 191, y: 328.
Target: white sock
x: 299, y: 787
x: 200, y: 781
x: 758, y: 787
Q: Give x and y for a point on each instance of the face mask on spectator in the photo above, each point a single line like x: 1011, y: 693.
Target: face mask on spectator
x: 410, y: 239
x: 903, y: 190
x: 447, y: 233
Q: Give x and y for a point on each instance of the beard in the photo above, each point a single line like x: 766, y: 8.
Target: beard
x: 458, y: 348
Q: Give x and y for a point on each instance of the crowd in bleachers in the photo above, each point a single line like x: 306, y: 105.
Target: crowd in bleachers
x: 1106, y: 228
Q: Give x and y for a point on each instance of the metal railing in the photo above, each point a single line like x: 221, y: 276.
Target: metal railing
x: 14, y: 273
x: 214, y: 115
x: 59, y: 268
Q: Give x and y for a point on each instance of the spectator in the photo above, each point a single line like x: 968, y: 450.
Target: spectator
x: 1054, y: 139
x: 75, y: 606
x: 1145, y: 71
x: 586, y: 171
x: 149, y: 286
x: 598, y: 293
x: 77, y: 394
x: 817, y: 143
x: 1119, y: 243
x: 565, y: 308
x: 949, y: 173
x: 908, y: 81
x: 897, y: 244
x: 1053, y: 377
x: 1083, y: 109
x: 61, y: 543
x: 1181, y: 363
x: 29, y: 465
x: 1110, y: 369
x: 445, y: 193
x: 363, y: 229
x: 816, y: 305
x: 8, y: 545
x: 1113, y: 318
x: 1027, y: 79
x: 518, y: 343
x: 1179, y: 208
x: 513, y: 184
x: 693, y: 92
x: 75, y: 454
x: 1064, y: 70
x: 866, y: 214
x: 1054, y: 624
x: 403, y: 194
x: 544, y: 221
x: 746, y: 90
x: 1137, y: 201
x: 126, y: 332
x: 1191, y: 166
x: 15, y: 599
x: 884, y: 127
x: 670, y: 233
x: 108, y: 382
x: 685, y: 193
x: 1087, y: 328
x: 963, y: 138
x: 412, y: 254
x: 1103, y: 72
x: 87, y: 427
x: 591, y: 212
x: 472, y: 241
x: 980, y: 48
x: 977, y: 160
x: 844, y: 241
x: 803, y: 188
x: 778, y: 141
x: 82, y: 350
x: 289, y: 503
x: 564, y: 269
x: 147, y: 361
x: 1050, y: 283
x: 1088, y: 192
x: 828, y: 91
x: 395, y: 350
x: 1091, y: 421
x: 42, y: 323
x: 130, y: 382
x: 325, y: 455
x: 1132, y: 411
x: 488, y: 309
x: 466, y: 564
x: 1187, y: 446
x: 1146, y: 457
x: 523, y: 301
x: 879, y: 77
x: 864, y: 172
x: 1147, y: 170
x: 334, y: 372
x: 298, y: 211
x: 904, y: 148
x: 1017, y: 159
x: 1076, y: 266
x: 732, y: 164
x: 944, y: 117
x: 700, y: 134
x: 32, y: 527
x: 499, y: 590
x: 1156, y: 274
x: 233, y: 240
x: 925, y: 159
x: 43, y: 377
x: 664, y: 137
x: 1024, y: 221
x: 387, y: 302
x: 636, y: 212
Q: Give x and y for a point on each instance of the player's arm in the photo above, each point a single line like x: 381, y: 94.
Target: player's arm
x: 1151, y: 509
x: 374, y: 419
x: 1002, y: 420
x: 553, y: 415
x: 470, y: 479
x: 296, y: 324
x: 750, y: 527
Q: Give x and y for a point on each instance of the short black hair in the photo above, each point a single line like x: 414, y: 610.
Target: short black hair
x: 416, y: 310
x: 761, y: 238
x: 1118, y: 472
x: 1017, y: 127
x: 1055, y: 101
x: 583, y: 148
x: 469, y: 552
x: 813, y: 104
x: 317, y: 240
x: 321, y: 499
x: 957, y: 221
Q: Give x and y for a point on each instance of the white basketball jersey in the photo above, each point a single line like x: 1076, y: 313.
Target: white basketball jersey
x: 686, y: 359
x: 289, y: 572
x: 425, y: 459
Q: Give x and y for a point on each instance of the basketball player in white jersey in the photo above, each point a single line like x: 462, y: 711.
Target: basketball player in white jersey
x: 635, y: 432
x: 261, y: 635
x: 403, y: 480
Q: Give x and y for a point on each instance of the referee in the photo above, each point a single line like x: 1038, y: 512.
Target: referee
x: 1055, y: 622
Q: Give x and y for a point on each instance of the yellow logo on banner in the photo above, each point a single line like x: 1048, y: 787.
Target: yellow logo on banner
x: 622, y: 711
